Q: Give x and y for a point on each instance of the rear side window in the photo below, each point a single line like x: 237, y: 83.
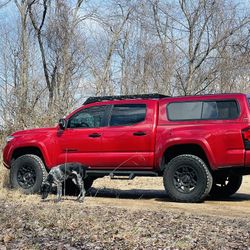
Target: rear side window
x: 184, y: 111
x: 127, y: 114
x: 203, y: 110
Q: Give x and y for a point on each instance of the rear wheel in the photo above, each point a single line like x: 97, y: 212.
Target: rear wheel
x: 225, y: 186
x: 27, y: 173
x: 187, y: 179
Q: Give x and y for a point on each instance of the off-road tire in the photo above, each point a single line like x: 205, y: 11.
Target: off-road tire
x: 225, y: 187
x: 27, y: 174
x: 187, y: 170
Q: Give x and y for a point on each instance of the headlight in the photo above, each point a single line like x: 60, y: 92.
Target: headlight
x: 9, y: 138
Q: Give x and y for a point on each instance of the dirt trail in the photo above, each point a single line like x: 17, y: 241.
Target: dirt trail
x: 148, y: 194
x: 144, y: 193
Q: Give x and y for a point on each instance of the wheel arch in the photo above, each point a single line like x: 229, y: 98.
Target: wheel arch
x: 29, y: 150
x: 179, y: 149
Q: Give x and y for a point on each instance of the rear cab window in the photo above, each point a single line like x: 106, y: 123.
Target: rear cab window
x: 203, y: 110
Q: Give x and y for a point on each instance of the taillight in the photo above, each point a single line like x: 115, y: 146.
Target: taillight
x: 246, y: 133
x: 246, y: 137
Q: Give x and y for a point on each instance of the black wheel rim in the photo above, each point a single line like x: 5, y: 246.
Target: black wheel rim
x: 26, y: 176
x: 185, y: 179
x: 223, y: 183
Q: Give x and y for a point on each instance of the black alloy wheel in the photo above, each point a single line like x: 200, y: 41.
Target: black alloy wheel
x: 26, y: 176
x: 225, y: 186
x: 187, y: 179
x: 27, y: 173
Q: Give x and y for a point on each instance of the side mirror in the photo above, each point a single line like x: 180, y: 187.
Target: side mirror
x: 62, y: 124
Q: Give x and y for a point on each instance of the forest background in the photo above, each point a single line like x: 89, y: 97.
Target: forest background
x: 55, y: 53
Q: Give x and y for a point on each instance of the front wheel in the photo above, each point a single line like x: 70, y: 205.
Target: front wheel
x: 225, y: 186
x: 187, y: 179
x: 27, y: 173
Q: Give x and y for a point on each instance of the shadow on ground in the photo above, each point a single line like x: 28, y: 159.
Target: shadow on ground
x: 236, y: 197
x: 128, y: 194
x: 158, y: 195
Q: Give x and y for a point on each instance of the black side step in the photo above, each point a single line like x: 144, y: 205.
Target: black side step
x: 121, y: 174
x: 120, y: 177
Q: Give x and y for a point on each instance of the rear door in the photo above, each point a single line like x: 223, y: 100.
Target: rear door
x: 128, y: 140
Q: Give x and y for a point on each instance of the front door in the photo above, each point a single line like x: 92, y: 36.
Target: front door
x: 81, y: 141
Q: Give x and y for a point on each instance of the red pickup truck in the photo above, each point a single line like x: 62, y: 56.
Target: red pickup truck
x: 199, y: 144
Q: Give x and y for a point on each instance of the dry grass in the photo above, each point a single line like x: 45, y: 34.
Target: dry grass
x: 121, y: 215
x: 36, y: 225
x: 4, y: 176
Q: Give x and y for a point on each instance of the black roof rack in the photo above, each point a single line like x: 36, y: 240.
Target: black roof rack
x: 123, y: 97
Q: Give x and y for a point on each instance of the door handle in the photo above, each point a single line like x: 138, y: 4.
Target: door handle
x: 94, y: 135
x: 139, y: 133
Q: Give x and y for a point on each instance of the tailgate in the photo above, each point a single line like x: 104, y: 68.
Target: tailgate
x: 246, y: 136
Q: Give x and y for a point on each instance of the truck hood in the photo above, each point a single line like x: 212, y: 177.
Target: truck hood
x: 35, y: 131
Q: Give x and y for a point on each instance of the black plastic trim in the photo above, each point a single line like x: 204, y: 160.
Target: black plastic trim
x: 123, y: 97
x: 247, y: 144
x: 128, y: 173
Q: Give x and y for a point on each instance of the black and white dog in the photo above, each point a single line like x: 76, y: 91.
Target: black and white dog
x: 57, y: 175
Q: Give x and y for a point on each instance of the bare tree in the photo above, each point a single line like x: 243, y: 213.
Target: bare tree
x: 4, y: 3
x: 23, y: 54
x: 200, y: 29
x: 111, y: 26
x: 55, y: 52
x: 61, y: 49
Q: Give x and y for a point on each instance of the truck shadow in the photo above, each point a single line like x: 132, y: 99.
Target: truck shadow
x: 236, y: 197
x: 127, y: 194
x: 158, y: 195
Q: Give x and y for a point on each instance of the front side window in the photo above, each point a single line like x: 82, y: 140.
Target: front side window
x: 203, y: 110
x: 127, y: 114
x: 88, y: 118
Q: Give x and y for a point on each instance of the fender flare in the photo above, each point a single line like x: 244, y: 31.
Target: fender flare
x: 203, y: 144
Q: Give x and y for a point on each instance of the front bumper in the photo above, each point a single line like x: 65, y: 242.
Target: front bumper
x: 6, y: 165
x: 7, y: 152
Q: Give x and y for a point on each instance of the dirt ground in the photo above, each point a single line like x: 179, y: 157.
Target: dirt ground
x: 148, y: 193
x: 134, y: 214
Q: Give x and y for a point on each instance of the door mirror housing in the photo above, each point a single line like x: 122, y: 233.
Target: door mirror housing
x: 62, y: 124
